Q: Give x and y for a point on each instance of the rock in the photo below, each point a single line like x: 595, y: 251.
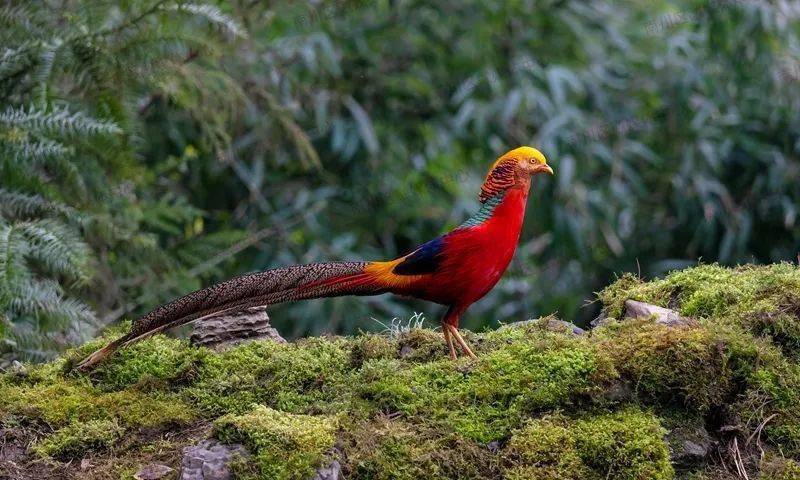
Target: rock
x: 406, y: 351
x: 665, y: 316
x: 599, y: 321
x: 230, y: 330
x: 331, y: 472
x: 209, y: 460
x: 552, y: 324
x: 493, y: 446
x: 153, y: 471
x: 18, y: 369
x: 690, y: 446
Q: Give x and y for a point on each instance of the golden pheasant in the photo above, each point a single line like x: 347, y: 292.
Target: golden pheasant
x: 455, y: 269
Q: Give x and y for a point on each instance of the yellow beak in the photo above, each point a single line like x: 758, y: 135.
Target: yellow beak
x: 546, y: 168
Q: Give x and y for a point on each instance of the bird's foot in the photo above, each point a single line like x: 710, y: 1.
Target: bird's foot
x: 450, y: 332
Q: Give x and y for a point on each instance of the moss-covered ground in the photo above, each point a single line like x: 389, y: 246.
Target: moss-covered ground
x: 537, y: 404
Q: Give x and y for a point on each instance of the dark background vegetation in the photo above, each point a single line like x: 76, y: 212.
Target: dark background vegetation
x: 151, y: 147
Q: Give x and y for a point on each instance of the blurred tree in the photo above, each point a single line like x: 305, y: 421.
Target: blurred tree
x: 352, y: 129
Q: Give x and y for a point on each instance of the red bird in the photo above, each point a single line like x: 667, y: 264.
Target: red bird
x: 455, y: 269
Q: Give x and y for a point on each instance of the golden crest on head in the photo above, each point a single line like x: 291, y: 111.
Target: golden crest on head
x: 521, y: 153
x: 520, y: 163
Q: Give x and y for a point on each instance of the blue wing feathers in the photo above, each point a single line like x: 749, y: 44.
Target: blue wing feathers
x: 425, y: 259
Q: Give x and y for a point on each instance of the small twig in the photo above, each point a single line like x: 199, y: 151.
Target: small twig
x: 757, y: 433
x: 737, y: 460
x: 759, y: 428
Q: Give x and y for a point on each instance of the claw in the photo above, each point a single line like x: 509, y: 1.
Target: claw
x: 460, y: 340
x: 449, y: 340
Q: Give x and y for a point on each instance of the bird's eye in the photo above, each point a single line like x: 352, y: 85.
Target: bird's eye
x: 532, y: 160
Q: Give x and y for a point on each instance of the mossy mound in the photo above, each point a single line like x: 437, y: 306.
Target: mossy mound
x: 624, y: 444
x: 537, y: 403
x: 286, y: 445
x: 762, y: 299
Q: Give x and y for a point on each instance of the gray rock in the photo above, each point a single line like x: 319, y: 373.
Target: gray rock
x: 331, y: 472
x: 599, y: 321
x: 227, y: 331
x: 209, y: 460
x: 690, y: 446
x: 406, y: 351
x: 153, y: 471
x: 665, y: 316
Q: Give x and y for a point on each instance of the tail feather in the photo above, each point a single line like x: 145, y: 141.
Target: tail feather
x: 269, y: 287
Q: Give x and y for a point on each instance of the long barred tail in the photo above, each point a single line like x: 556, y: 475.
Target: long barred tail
x: 278, y: 285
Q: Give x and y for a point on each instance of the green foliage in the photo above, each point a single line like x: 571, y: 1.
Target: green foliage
x: 287, y: 446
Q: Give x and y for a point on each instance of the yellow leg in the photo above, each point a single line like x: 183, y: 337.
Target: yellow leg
x: 449, y: 340
x: 464, y: 346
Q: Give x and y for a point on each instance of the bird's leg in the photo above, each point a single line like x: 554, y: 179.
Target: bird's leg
x: 464, y: 346
x: 449, y: 340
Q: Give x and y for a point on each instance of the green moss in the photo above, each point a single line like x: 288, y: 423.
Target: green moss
x: 76, y: 440
x: 773, y: 399
x: 372, y: 347
x: 545, y: 449
x: 482, y: 400
x: 286, y: 446
x: 67, y: 401
x: 422, y: 345
x: 701, y: 366
x: 305, y: 377
x: 623, y: 445
x: 779, y: 468
x: 156, y: 361
x: 721, y: 360
x: 400, y: 450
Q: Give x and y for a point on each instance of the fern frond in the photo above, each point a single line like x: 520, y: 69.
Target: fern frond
x: 47, y: 58
x: 59, y: 120
x: 22, y: 148
x: 13, y: 250
x: 18, y: 15
x: 21, y: 205
x: 57, y: 248
x: 212, y: 14
x: 13, y: 60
